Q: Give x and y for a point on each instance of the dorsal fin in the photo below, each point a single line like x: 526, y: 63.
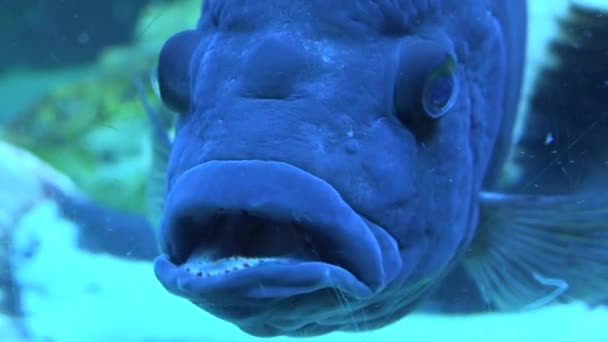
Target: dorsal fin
x: 561, y: 147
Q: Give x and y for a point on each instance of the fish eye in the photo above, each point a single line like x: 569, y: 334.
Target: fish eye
x: 440, y: 89
x: 173, y: 72
x: 426, y: 85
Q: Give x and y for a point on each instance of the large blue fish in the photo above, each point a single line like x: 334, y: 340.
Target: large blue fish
x: 330, y: 162
x: 333, y: 161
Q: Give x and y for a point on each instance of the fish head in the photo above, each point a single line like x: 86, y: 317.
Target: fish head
x: 327, y: 157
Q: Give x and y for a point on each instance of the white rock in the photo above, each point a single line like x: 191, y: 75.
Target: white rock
x: 22, y: 176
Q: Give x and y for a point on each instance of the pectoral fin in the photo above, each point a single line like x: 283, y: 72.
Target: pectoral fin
x: 532, y: 250
x: 161, y: 146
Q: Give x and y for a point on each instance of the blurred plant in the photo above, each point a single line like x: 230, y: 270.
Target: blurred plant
x: 95, y: 132
x: 93, y: 127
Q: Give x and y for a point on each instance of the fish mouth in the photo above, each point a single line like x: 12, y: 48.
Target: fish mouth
x: 254, y: 229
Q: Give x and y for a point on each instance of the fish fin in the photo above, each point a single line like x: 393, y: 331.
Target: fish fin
x: 557, y: 145
x: 161, y: 146
x: 531, y: 250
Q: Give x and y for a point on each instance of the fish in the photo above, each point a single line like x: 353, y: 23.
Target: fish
x: 332, y: 162
x: 335, y: 166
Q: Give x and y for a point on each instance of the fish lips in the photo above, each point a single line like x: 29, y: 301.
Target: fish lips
x: 212, y: 205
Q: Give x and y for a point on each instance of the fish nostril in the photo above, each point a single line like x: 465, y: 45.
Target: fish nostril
x: 272, y: 68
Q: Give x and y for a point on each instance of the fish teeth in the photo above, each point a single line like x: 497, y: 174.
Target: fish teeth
x: 210, y: 268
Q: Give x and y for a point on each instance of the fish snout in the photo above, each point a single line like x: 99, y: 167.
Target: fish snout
x: 235, y: 230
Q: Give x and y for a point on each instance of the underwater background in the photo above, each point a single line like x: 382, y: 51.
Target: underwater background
x: 70, y: 115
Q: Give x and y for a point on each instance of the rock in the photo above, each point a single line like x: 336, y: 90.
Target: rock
x: 22, y: 180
